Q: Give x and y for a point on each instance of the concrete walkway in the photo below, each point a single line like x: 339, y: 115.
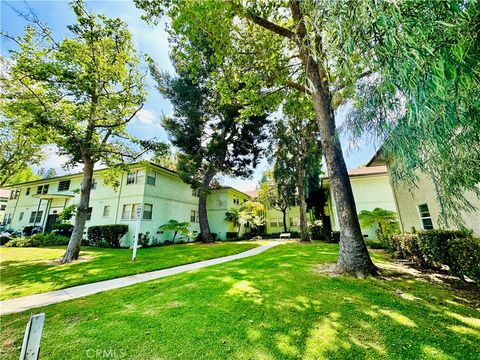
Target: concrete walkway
x: 15, y: 305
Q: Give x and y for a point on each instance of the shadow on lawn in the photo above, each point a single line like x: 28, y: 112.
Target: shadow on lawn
x: 271, y: 306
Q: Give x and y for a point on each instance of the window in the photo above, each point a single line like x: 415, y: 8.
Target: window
x: 236, y: 199
x: 94, y: 184
x: 294, y: 222
x: 27, y: 192
x: 194, y: 216
x: 131, y: 178
x: 20, y: 217
x: 42, y: 189
x: 14, y: 194
x: 276, y: 222
x: 3, y: 207
x: 425, y: 216
x: 36, y: 216
x: 64, y: 185
x: 89, y: 213
x: 129, y: 211
x: 196, y: 192
x: 106, y: 211
x: 151, y: 179
x: 147, y: 211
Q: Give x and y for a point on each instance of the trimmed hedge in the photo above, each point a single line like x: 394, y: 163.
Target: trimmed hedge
x: 63, y: 229
x: 455, y: 248
x: 38, y: 240
x: 106, y: 235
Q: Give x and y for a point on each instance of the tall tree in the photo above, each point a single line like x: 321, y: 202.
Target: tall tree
x: 209, y: 135
x: 46, y: 173
x: 84, y: 89
x: 19, y: 147
x: 297, y: 148
x: 273, y: 45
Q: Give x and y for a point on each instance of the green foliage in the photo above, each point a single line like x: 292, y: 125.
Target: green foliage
x: 248, y: 215
x: 66, y: 214
x: 277, y: 192
x: 106, y: 235
x: 38, y: 240
x: 455, y: 248
x: 385, y: 220
x: 182, y: 228
x: 46, y: 173
x: 22, y: 176
x: 422, y: 101
x: 4, y: 239
x: 145, y: 240
x: 63, y: 229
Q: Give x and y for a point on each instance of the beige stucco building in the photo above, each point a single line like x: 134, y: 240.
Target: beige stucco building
x: 418, y: 207
x: 371, y: 189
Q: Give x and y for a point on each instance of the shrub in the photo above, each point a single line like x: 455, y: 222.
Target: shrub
x: 231, y: 235
x: 146, y: 240
x: 30, y: 230
x: 316, y: 232
x: 434, y: 244
x: 106, y: 235
x: 406, y: 246
x: 38, y: 240
x: 5, y: 238
x: 464, y: 257
x: 63, y: 229
x: 335, y: 238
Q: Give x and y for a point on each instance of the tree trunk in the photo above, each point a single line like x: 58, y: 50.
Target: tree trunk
x: 304, y: 234
x: 353, y: 256
x: 202, y: 207
x: 284, y: 211
x: 73, y: 248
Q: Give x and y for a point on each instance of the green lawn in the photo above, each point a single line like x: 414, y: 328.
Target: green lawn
x: 26, y: 271
x: 271, y: 306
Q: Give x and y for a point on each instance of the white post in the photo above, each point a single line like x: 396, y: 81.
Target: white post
x: 31, y: 339
x: 137, y: 232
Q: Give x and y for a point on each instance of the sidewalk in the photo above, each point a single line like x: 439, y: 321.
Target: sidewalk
x: 15, y: 305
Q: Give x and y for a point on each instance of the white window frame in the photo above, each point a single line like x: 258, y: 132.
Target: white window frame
x: 151, y: 175
x: 151, y: 211
x: 133, y: 211
x: 106, y: 211
x: 134, y: 174
x: 424, y: 217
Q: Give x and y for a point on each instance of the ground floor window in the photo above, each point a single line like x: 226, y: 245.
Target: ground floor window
x: 276, y: 222
x: 89, y: 213
x: 294, y: 222
x: 425, y: 216
x: 36, y: 216
x: 147, y: 211
x: 106, y: 211
x: 194, y: 216
x: 20, y: 217
x: 129, y: 211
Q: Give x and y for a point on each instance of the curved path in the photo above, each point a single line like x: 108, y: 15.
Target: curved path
x: 15, y: 305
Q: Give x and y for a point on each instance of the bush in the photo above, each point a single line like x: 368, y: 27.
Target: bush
x: 316, y: 232
x: 335, y: 238
x: 39, y: 240
x: 376, y: 244
x: 106, y: 235
x: 231, y: 235
x: 454, y: 248
x: 63, y: 229
x: 406, y: 246
x: 5, y: 238
x: 30, y: 230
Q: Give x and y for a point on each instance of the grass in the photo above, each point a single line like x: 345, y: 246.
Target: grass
x: 26, y: 271
x: 271, y: 306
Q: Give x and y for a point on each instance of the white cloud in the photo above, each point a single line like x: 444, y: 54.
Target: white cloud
x: 146, y: 117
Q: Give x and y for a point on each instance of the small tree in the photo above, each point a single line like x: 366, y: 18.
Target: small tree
x: 177, y: 227
x: 248, y: 215
x: 84, y: 90
x: 278, y: 192
x: 385, y: 220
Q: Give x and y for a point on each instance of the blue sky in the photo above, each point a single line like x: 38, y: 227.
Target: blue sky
x: 151, y: 40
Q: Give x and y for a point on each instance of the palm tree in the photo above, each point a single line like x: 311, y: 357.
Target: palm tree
x: 176, y: 227
x: 385, y: 219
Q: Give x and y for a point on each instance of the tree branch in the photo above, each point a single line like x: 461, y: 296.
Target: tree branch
x: 297, y: 86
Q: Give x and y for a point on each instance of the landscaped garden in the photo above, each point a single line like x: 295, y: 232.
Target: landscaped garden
x: 281, y: 304
x: 26, y: 271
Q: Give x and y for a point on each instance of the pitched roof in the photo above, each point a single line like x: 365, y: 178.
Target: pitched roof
x: 252, y: 193
x: 370, y: 170
x: 4, y: 193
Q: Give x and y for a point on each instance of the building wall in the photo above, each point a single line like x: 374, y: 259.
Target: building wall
x: 408, y: 201
x: 370, y: 192
x: 274, y: 220
x: 170, y: 198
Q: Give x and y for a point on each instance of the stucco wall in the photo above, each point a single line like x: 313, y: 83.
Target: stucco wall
x: 370, y: 192
x: 424, y: 193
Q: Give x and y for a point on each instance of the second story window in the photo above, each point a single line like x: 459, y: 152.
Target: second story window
x: 42, y: 189
x: 64, y: 185
x: 14, y: 194
x: 196, y: 192
x: 27, y: 192
x: 151, y: 179
x: 236, y: 200
x: 131, y: 178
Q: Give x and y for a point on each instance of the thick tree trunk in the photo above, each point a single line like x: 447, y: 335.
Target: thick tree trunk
x: 202, y: 207
x: 73, y: 248
x: 353, y: 256
x: 304, y: 234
